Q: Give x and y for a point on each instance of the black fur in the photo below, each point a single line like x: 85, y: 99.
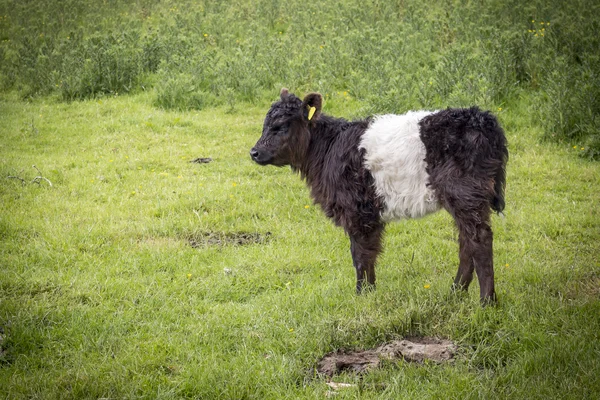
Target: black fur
x: 465, y: 155
x: 469, y: 143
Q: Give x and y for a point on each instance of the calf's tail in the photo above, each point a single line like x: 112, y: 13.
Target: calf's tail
x: 490, y: 150
x: 499, y: 184
x: 501, y: 152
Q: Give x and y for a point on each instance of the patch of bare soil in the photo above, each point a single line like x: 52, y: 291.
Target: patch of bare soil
x: 4, y: 356
x: 201, y: 160
x: 413, y: 349
x: 227, y: 238
x: 586, y: 287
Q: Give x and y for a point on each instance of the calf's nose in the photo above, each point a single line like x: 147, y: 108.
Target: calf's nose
x: 253, y: 153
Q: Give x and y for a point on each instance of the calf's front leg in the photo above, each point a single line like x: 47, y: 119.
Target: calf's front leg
x: 364, y: 249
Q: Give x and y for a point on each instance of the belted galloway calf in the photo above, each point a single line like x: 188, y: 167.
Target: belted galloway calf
x: 369, y: 172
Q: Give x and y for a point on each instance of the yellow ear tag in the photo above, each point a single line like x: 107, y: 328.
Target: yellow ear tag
x: 311, y: 112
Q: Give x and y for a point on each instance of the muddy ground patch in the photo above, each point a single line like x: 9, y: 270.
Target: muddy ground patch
x: 410, y: 349
x: 203, y: 239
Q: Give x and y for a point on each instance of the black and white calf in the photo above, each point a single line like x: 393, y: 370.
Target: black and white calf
x: 369, y: 172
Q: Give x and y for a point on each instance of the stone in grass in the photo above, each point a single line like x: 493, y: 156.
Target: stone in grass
x: 415, y: 349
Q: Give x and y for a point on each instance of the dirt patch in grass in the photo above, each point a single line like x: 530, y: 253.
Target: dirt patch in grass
x: 5, y: 357
x: 587, y: 287
x: 202, y: 239
x: 201, y: 160
x: 413, y: 350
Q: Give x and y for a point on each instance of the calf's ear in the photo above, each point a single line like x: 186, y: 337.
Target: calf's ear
x: 284, y: 93
x: 311, y: 106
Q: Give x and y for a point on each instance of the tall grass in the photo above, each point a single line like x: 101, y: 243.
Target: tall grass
x: 392, y: 56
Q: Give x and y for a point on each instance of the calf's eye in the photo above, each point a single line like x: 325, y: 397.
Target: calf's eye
x: 280, y: 130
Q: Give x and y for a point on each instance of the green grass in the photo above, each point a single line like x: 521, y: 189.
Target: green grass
x: 102, y: 296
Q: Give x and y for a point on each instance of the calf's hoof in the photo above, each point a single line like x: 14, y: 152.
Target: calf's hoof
x: 458, y: 288
x: 489, y: 300
x: 364, y: 288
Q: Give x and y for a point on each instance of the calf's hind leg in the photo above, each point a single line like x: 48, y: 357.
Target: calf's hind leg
x: 483, y: 259
x: 476, y: 251
x: 464, y: 276
x: 470, y: 208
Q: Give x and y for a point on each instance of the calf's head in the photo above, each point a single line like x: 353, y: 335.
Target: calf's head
x: 286, y: 130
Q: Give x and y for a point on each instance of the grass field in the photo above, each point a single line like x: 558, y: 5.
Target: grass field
x: 102, y: 295
x: 127, y: 271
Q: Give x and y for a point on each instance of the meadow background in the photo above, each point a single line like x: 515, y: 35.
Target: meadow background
x: 129, y: 272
